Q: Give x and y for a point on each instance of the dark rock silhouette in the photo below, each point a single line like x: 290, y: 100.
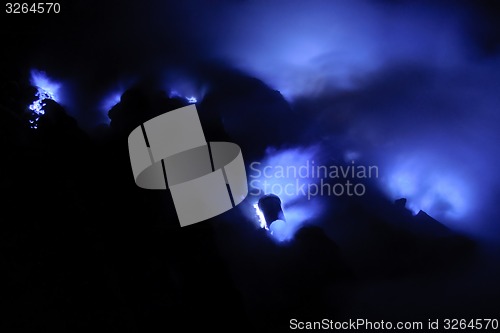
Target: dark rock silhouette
x: 85, y: 247
x: 270, y: 205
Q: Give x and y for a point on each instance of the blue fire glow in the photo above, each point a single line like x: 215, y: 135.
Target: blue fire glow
x: 381, y: 78
x: 430, y: 186
x: 260, y: 216
x: 189, y: 99
x: 113, y: 95
x: 380, y: 74
x: 297, y: 207
x: 184, y: 84
x: 46, y: 89
x: 111, y: 100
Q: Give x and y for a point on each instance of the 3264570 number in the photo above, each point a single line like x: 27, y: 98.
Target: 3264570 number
x: 477, y: 324
x: 36, y: 8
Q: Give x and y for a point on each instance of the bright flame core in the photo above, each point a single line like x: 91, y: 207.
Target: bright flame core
x: 260, y: 216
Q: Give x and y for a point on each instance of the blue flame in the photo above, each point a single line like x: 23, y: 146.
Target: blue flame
x: 111, y: 100
x: 40, y: 80
x: 260, y: 216
x: 183, y: 84
x: 297, y: 207
x: 431, y: 185
x: 113, y: 95
x: 46, y: 89
x: 189, y: 99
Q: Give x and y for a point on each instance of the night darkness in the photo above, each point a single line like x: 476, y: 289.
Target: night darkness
x: 410, y: 88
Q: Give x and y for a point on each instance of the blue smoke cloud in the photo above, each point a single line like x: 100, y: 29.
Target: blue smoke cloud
x: 302, y: 48
x: 411, y: 87
x: 400, y: 85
